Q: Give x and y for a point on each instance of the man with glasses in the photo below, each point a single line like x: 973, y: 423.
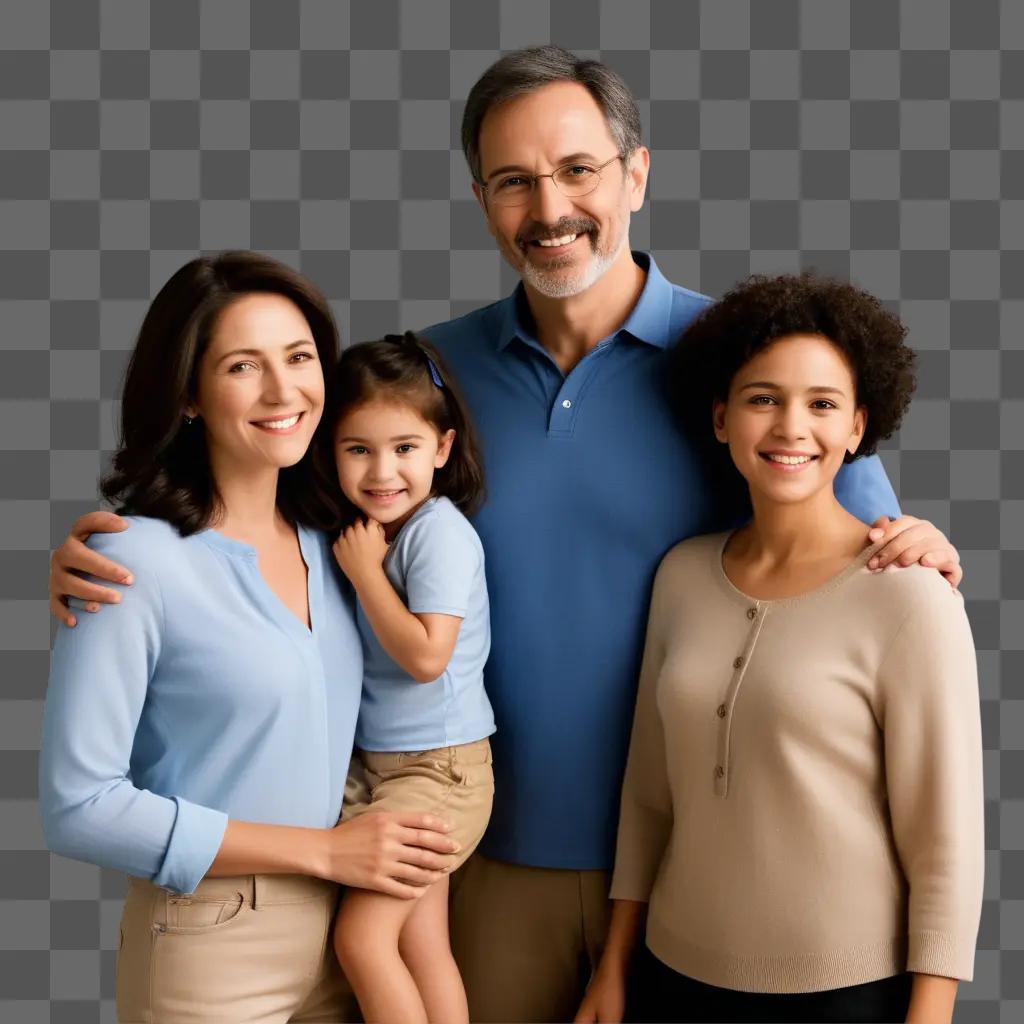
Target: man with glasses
x: 590, y: 482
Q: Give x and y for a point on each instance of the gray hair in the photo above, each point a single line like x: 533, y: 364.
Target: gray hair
x: 523, y: 71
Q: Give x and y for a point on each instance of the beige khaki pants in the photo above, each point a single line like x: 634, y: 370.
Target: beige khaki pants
x: 526, y: 939
x: 250, y: 948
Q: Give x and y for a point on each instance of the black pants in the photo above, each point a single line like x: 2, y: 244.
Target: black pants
x: 659, y: 995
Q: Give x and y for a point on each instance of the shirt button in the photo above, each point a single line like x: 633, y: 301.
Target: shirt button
x: 722, y: 711
x: 751, y: 612
x: 719, y: 772
x: 737, y: 663
x: 566, y: 404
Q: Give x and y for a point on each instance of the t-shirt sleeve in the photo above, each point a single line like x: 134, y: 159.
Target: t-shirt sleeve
x: 442, y: 566
x: 91, y: 810
x: 863, y: 489
x: 933, y: 764
x: 645, y: 815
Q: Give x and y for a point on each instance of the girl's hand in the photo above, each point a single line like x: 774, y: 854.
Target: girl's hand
x: 605, y: 999
x: 360, y: 550
x: 397, y: 854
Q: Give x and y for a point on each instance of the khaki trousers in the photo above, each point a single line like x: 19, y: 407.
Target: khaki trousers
x: 526, y: 939
x: 252, y: 948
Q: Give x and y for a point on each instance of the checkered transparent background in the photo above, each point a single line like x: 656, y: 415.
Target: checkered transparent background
x: 874, y: 138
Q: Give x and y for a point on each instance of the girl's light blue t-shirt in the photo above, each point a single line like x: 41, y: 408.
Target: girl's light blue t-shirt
x: 436, y: 564
x: 200, y: 697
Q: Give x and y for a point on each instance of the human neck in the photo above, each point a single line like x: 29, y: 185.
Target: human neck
x: 570, y: 328
x: 246, y: 503
x: 782, y: 535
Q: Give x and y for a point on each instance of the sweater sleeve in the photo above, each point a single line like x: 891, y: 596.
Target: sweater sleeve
x: 933, y: 765
x: 99, y: 677
x: 645, y: 817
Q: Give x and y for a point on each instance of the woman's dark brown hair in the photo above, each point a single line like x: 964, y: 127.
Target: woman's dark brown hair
x: 162, y: 466
x: 408, y: 369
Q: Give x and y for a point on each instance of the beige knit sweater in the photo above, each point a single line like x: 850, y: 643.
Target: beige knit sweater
x: 803, y: 802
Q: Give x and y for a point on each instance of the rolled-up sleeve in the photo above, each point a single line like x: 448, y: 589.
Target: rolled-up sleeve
x: 91, y: 810
x: 933, y: 764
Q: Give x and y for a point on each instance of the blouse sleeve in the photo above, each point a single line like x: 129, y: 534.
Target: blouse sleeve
x: 99, y: 676
x: 933, y: 764
x: 645, y: 817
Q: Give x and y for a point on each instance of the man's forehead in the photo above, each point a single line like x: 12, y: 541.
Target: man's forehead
x: 552, y: 122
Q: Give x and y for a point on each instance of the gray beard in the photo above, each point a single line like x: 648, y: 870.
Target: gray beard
x: 556, y: 286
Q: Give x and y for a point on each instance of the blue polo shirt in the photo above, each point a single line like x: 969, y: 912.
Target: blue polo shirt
x: 590, y: 481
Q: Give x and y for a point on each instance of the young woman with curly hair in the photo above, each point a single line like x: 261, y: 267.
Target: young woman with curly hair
x: 801, y: 834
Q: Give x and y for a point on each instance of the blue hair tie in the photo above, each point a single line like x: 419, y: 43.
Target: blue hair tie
x: 410, y: 338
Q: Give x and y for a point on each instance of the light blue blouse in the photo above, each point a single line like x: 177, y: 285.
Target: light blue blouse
x: 199, y: 697
x: 436, y: 563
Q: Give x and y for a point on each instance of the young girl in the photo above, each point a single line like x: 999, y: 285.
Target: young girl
x: 801, y: 816
x: 408, y: 463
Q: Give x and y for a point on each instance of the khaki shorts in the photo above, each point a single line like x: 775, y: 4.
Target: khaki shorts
x: 455, y: 783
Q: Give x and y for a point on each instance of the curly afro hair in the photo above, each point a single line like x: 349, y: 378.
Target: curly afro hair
x: 762, y: 309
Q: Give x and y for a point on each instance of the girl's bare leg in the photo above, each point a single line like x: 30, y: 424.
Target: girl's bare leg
x: 366, y: 936
x: 427, y: 953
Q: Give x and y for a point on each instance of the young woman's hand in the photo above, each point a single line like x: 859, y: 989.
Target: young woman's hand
x: 73, y: 557
x: 360, y: 550
x: 605, y: 998
x: 397, y: 854
x: 909, y: 540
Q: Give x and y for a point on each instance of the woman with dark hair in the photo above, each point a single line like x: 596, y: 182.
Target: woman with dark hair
x: 196, y: 736
x: 801, y: 835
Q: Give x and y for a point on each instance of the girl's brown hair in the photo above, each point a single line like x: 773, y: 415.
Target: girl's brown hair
x: 408, y: 369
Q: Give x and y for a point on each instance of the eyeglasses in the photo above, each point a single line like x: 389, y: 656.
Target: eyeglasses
x: 573, y: 180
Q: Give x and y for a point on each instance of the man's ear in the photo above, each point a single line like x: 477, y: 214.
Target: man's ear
x: 638, y: 167
x: 718, y: 421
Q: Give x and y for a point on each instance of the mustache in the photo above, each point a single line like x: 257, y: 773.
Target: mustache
x: 535, y: 232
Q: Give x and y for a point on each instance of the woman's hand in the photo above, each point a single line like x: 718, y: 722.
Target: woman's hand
x: 397, y: 854
x: 605, y: 998
x: 360, y: 550
x: 73, y: 557
x: 909, y: 540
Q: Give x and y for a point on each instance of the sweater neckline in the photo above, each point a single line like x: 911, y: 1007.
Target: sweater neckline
x: 833, y: 583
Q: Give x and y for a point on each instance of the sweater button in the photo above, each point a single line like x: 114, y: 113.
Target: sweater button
x: 722, y: 711
x: 719, y: 772
x: 737, y: 663
x: 751, y: 613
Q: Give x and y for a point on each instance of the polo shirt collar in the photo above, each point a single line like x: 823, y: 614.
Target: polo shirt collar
x: 648, y: 321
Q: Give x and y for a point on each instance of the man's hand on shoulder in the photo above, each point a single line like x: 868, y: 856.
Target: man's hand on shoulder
x: 908, y: 540
x: 74, y: 557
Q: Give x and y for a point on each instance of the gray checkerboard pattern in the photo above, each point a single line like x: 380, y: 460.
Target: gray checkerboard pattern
x: 878, y: 139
